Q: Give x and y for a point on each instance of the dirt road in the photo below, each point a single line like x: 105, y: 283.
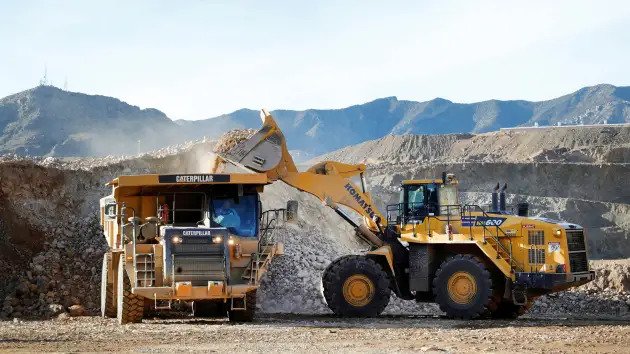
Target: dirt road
x: 318, y: 333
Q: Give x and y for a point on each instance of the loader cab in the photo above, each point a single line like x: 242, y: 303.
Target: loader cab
x: 424, y: 198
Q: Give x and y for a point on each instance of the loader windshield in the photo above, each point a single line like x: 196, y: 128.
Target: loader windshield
x: 238, y: 215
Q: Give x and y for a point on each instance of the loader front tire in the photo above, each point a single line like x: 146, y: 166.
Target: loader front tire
x: 356, y: 286
x: 130, y: 307
x: 463, y: 287
x: 108, y: 302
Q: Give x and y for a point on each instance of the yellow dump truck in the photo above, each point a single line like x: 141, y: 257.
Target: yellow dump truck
x: 428, y: 247
x: 197, y: 239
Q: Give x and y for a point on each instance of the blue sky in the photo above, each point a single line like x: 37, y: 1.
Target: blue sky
x: 197, y: 59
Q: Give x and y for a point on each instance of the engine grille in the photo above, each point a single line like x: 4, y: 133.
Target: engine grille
x: 536, y: 256
x: 575, y: 240
x: 578, y: 262
x: 196, y: 258
x: 536, y: 237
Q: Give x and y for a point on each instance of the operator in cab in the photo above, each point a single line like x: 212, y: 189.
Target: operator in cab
x: 226, y: 216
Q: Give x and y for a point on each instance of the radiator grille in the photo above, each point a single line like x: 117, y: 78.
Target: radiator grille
x: 578, y: 262
x: 536, y: 256
x: 203, y: 248
x: 575, y: 240
x: 199, y: 270
x: 536, y: 237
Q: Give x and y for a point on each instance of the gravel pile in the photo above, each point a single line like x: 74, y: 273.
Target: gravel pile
x: 230, y: 139
x: 607, y: 296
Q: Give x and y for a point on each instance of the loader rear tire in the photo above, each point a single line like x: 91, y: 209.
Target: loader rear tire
x: 108, y: 302
x: 356, y: 286
x: 463, y: 287
x: 246, y: 315
x: 130, y: 307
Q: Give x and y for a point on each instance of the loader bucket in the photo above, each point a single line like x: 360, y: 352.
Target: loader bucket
x: 265, y: 151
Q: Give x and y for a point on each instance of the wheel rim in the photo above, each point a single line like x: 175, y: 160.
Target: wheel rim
x: 358, y: 290
x: 462, y: 287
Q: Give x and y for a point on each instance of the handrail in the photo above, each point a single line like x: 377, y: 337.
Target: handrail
x: 452, y: 213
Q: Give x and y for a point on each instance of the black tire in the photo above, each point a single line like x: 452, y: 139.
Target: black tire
x: 246, y: 315
x: 108, y: 300
x: 339, y: 277
x: 476, y: 298
x: 209, y: 309
x: 130, y: 307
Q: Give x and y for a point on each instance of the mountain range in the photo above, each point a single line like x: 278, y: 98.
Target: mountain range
x: 48, y: 121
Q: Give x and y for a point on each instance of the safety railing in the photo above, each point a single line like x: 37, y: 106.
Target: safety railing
x: 416, y: 213
x: 270, y: 220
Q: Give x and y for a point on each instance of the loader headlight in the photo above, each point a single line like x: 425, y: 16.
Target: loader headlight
x: 176, y: 239
x: 557, y: 233
x: 231, y: 241
x: 217, y: 239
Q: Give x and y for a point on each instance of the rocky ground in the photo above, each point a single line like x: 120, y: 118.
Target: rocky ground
x: 291, y: 333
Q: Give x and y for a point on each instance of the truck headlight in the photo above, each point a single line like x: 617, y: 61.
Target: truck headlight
x: 217, y: 239
x: 176, y: 239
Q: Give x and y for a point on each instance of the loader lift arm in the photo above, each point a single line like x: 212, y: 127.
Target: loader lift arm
x: 330, y: 181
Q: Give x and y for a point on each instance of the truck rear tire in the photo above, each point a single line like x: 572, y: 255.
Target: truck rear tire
x: 246, y: 315
x: 108, y: 299
x: 463, y: 287
x: 356, y: 286
x: 130, y: 307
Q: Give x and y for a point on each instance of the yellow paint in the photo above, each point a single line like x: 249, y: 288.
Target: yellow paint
x: 358, y: 290
x: 462, y: 287
x: 385, y: 251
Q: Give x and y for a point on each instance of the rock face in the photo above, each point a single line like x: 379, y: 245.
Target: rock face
x: 49, y: 121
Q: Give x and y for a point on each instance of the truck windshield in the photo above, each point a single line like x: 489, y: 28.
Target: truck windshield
x: 238, y: 215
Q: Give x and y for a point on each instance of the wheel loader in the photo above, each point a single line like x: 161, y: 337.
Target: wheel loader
x: 197, y: 242
x: 428, y: 247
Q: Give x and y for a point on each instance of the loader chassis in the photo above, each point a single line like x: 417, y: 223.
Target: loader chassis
x: 196, y: 240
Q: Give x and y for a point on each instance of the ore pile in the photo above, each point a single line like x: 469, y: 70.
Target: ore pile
x: 232, y: 138
x: 606, y: 296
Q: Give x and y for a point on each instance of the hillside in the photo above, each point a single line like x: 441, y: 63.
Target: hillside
x: 49, y: 121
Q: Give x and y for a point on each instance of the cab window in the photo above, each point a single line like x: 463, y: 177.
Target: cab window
x: 238, y: 215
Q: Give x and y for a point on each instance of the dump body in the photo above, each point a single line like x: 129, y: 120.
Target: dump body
x: 199, y: 238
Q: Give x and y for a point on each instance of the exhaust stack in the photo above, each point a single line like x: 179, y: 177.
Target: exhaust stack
x: 495, y: 199
x: 502, y: 207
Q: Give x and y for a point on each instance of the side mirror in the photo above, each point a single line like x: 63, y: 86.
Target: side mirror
x: 292, y: 210
x: 110, y: 210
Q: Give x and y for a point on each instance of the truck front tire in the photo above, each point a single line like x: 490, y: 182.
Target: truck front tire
x: 108, y: 303
x: 130, y: 307
x: 246, y: 315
